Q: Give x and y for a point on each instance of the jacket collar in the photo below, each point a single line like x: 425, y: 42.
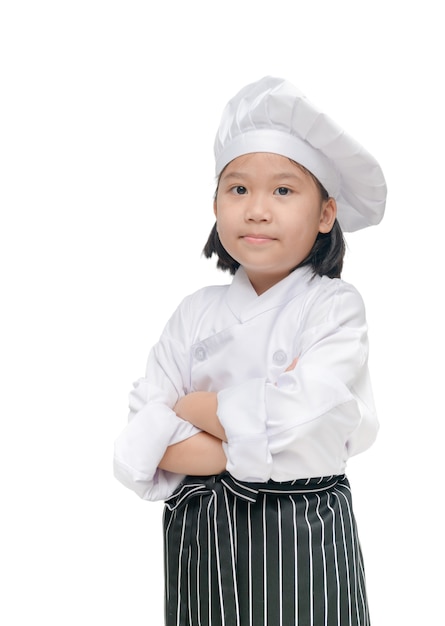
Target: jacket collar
x: 245, y: 303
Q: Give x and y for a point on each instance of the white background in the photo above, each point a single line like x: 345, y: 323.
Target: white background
x: 108, y: 114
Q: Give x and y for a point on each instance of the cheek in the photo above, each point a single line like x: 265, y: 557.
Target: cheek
x: 224, y: 236
x: 304, y: 225
x: 224, y: 219
x: 221, y: 227
x: 301, y: 236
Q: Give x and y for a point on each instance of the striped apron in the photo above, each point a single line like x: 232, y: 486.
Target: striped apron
x: 266, y: 554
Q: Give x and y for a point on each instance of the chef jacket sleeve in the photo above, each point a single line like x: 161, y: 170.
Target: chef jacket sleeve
x: 312, y: 418
x: 152, y: 423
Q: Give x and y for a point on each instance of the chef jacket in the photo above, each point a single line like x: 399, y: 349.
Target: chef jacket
x: 280, y: 425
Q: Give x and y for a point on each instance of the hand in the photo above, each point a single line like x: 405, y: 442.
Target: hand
x: 180, y: 407
x: 200, y: 409
x: 292, y: 365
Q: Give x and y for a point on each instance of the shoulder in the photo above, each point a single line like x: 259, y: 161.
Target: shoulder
x: 333, y: 298
x: 194, y: 305
x: 338, y: 288
x: 204, y: 297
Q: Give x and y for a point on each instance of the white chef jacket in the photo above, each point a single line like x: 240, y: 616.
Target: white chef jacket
x: 279, y: 425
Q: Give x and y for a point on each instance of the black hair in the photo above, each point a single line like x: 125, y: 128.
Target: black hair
x: 325, y: 258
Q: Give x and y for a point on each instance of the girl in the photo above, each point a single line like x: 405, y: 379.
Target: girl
x: 258, y: 392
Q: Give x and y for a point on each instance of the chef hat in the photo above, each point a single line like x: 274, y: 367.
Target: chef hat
x: 271, y: 115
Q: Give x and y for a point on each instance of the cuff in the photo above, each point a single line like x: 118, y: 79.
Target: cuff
x: 158, y: 487
x: 141, y: 446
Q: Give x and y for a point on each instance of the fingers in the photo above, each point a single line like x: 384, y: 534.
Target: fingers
x: 292, y: 365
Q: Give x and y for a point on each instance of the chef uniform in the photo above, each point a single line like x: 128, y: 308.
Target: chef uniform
x: 272, y: 540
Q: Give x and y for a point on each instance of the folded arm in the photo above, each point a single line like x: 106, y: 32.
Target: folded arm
x: 200, y: 409
x: 203, y: 453
x: 200, y: 455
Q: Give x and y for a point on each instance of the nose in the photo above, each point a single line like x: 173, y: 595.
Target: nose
x: 258, y: 210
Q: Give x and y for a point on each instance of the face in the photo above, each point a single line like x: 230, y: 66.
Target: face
x: 269, y: 212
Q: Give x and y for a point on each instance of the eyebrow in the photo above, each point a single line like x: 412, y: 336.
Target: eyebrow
x: 281, y: 175
x: 234, y: 175
x: 277, y: 176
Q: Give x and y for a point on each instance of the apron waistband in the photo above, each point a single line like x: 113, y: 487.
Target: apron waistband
x: 212, y: 485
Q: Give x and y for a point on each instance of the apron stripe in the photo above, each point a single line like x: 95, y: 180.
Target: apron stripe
x: 266, y: 554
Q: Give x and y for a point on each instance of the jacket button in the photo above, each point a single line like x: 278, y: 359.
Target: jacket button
x: 279, y: 357
x: 200, y: 353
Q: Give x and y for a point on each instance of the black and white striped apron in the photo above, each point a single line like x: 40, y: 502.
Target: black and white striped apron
x: 266, y: 554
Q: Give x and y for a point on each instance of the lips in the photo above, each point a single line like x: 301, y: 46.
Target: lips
x: 257, y: 238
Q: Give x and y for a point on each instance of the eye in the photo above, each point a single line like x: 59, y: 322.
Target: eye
x: 240, y: 190
x: 282, y: 191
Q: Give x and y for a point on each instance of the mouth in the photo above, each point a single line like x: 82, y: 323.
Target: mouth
x: 257, y: 239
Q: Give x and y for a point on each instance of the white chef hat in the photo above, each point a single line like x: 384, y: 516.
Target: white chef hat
x: 271, y: 115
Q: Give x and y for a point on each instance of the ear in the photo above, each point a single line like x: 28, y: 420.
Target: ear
x: 214, y: 207
x: 328, y: 215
